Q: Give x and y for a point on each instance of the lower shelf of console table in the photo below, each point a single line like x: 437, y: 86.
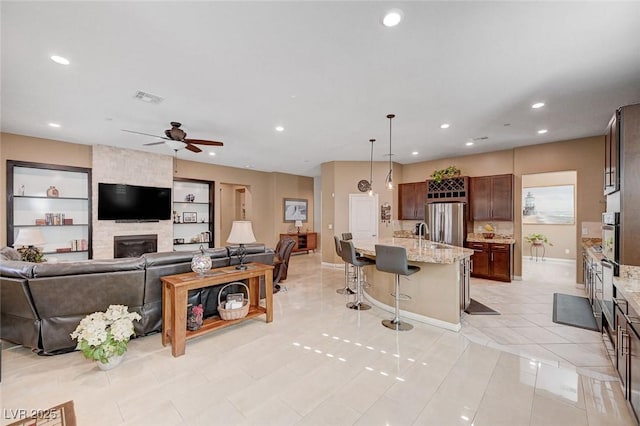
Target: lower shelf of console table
x: 175, y: 290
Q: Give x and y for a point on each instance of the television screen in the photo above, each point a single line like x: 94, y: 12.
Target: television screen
x: 131, y: 202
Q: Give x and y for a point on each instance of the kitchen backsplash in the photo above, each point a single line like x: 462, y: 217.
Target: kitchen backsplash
x: 591, y: 229
x: 503, y: 228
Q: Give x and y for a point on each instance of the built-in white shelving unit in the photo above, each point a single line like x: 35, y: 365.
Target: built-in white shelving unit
x: 63, y: 214
x: 192, y: 214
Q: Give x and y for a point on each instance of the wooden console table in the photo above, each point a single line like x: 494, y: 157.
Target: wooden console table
x: 305, y: 241
x: 175, y: 290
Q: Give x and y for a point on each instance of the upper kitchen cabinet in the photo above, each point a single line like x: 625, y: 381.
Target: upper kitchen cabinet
x: 411, y: 199
x: 491, y: 197
x: 612, y: 155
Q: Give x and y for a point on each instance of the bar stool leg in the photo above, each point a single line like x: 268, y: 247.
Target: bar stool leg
x: 346, y: 289
x: 396, y: 323
x: 358, y: 305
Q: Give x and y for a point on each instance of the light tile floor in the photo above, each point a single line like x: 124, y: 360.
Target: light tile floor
x: 319, y: 363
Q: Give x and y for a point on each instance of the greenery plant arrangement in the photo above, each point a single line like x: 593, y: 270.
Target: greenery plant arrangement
x: 31, y: 254
x: 103, y: 335
x: 537, y: 239
x: 448, y: 173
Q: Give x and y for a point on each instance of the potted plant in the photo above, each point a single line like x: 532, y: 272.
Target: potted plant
x: 448, y: 173
x: 103, y: 336
x: 537, y: 239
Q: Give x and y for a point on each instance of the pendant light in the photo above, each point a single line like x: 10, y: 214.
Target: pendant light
x: 371, y: 169
x: 389, y: 180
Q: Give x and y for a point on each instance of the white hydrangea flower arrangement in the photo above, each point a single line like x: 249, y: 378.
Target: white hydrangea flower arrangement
x: 101, y: 335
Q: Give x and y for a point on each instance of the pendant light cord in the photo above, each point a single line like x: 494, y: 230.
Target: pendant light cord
x: 389, y: 176
x: 371, y: 163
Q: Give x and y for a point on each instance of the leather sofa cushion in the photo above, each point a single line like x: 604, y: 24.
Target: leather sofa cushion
x: 251, y: 248
x: 9, y: 253
x: 169, y: 258
x: 16, y: 269
x: 88, y: 267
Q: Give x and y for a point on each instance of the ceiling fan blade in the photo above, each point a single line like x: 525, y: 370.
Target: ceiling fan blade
x: 204, y: 142
x: 193, y: 148
x: 146, y: 134
x: 153, y: 143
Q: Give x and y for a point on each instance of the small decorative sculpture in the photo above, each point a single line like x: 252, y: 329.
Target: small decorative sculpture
x: 200, y: 263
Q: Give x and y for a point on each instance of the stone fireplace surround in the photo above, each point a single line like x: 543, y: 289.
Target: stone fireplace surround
x: 118, y: 165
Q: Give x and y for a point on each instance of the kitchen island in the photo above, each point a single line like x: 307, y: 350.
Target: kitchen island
x: 439, y: 291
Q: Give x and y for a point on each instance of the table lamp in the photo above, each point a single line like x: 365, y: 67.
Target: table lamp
x: 241, y: 233
x: 27, y: 242
x: 298, y: 225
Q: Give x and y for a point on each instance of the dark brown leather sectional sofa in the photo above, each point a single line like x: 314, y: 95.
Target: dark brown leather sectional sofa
x: 42, y: 303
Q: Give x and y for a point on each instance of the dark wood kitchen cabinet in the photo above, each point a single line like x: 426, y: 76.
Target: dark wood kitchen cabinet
x: 491, y: 261
x: 627, y: 343
x: 491, y: 197
x: 411, y: 200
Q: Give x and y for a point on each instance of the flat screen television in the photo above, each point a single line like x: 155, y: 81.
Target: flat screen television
x: 133, y: 203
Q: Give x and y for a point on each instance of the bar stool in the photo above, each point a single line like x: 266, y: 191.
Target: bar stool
x: 394, y: 260
x: 347, y: 274
x: 349, y: 256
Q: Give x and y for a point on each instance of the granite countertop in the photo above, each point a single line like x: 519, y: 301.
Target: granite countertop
x: 498, y: 238
x: 628, y: 285
x: 424, y: 251
x: 590, y: 246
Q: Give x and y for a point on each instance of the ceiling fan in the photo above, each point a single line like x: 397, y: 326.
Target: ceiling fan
x: 175, y: 133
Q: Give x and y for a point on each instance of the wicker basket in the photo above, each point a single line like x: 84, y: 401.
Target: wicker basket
x: 233, y: 314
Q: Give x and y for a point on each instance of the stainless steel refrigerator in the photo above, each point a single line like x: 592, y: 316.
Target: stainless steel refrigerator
x: 446, y: 222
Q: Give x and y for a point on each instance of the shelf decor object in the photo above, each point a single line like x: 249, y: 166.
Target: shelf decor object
x: 53, y: 192
x: 26, y: 244
x: 241, y: 233
x: 200, y: 263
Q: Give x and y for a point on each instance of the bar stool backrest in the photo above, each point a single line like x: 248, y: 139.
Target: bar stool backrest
x: 338, y: 248
x: 347, y: 236
x: 392, y: 259
x: 349, y: 252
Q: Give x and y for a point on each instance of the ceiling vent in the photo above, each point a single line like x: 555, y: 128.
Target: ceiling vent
x: 148, y: 97
x: 481, y: 138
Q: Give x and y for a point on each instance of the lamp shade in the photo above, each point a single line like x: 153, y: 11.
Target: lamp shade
x: 241, y: 233
x: 29, y: 237
x: 298, y: 224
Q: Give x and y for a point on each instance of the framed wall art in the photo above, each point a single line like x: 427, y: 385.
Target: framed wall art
x: 295, y: 209
x: 189, y: 217
x: 548, y: 205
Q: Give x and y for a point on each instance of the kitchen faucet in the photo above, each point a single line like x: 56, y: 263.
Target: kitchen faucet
x: 422, y: 230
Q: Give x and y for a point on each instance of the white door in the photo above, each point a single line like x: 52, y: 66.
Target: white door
x: 363, y: 216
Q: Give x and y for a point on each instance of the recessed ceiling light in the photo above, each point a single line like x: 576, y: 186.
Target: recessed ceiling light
x: 469, y: 143
x: 56, y: 125
x: 445, y: 125
x: 279, y: 129
x: 60, y: 60
x: 392, y: 18
x: 414, y: 153
x: 542, y: 131
x: 537, y: 105
x: 212, y: 153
